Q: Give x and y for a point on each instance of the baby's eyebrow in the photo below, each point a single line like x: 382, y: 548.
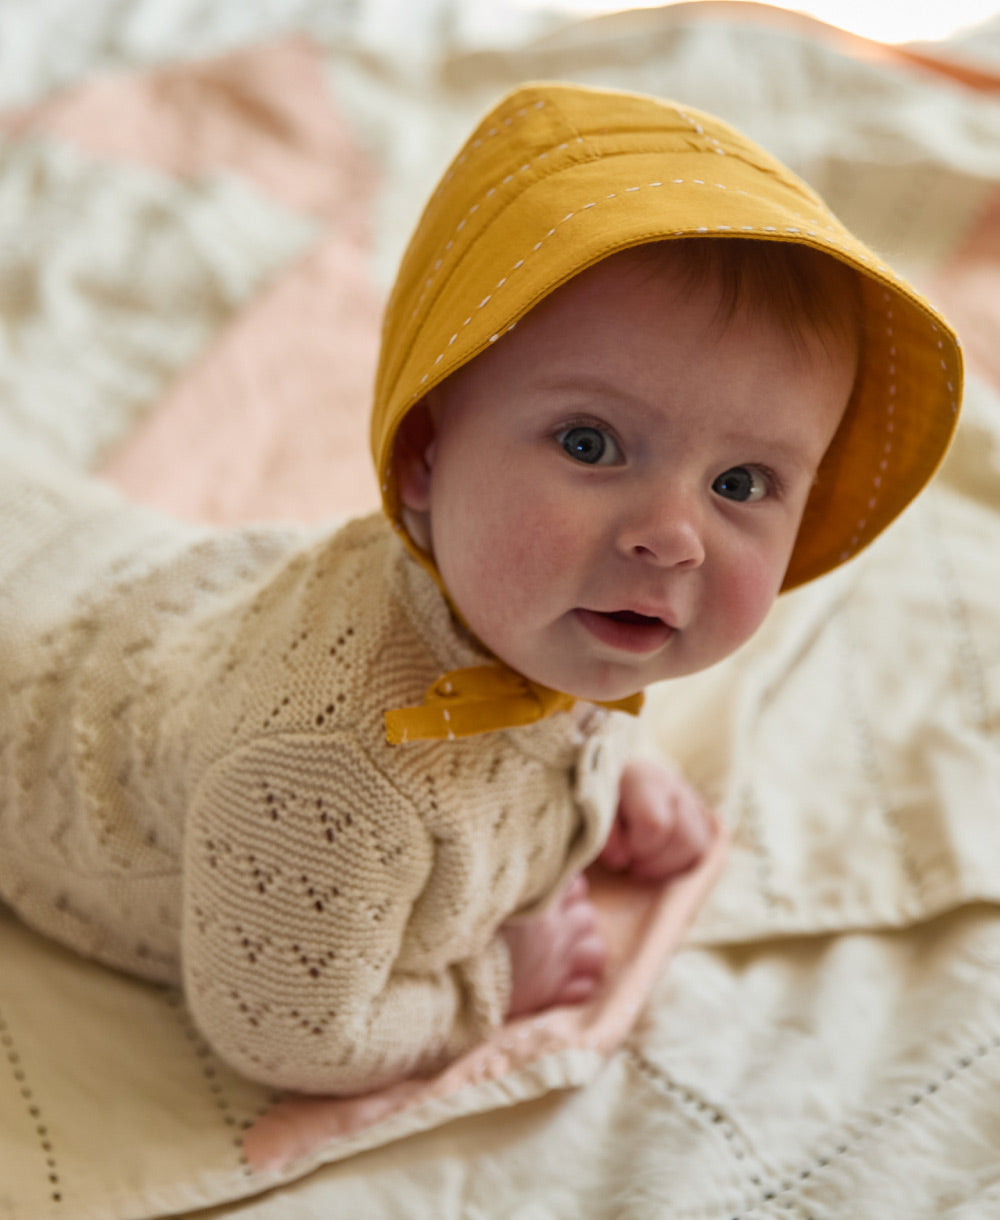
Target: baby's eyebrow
x: 591, y: 383
x: 578, y: 377
x: 789, y: 452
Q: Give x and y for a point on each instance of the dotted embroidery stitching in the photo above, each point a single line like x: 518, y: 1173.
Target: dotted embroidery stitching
x: 737, y: 1144
x: 481, y: 140
x: 208, y: 1066
x: 877, y: 1120
x: 460, y: 160
x: 697, y: 127
x: 890, y: 428
x: 34, y: 1111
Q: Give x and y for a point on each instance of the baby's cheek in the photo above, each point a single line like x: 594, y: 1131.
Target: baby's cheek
x: 753, y: 596
x: 501, y: 569
x: 525, y: 566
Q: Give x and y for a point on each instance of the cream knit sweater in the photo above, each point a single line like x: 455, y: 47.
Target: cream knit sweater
x: 195, y: 786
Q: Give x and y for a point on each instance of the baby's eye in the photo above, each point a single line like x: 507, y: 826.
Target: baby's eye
x: 742, y: 483
x: 590, y: 445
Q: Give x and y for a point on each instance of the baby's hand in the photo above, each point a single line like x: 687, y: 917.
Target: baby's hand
x: 662, y: 826
x: 557, y: 958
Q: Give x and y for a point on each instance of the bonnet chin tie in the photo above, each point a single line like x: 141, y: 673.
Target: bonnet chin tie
x: 482, y: 699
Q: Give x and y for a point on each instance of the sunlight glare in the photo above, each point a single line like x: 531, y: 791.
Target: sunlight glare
x: 884, y: 20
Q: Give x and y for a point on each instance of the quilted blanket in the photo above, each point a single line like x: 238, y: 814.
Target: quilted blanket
x: 202, y: 205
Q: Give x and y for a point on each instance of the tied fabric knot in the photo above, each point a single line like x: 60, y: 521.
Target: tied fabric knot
x: 482, y: 699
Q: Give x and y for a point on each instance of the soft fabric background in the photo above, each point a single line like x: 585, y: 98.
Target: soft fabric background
x: 202, y: 204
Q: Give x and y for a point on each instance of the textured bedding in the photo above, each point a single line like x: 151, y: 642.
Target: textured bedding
x: 202, y: 205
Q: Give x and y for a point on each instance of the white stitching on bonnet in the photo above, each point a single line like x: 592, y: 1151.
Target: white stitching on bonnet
x: 613, y: 195
x: 460, y: 160
x: 481, y: 140
x: 891, y: 421
x: 475, y: 207
x: 507, y: 123
x: 696, y: 126
x: 890, y: 429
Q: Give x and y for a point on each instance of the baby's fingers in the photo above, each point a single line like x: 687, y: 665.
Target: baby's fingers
x: 578, y: 990
x: 679, y: 846
x: 587, y: 963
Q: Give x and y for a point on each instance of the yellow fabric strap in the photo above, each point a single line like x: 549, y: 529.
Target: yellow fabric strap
x: 482, y: 699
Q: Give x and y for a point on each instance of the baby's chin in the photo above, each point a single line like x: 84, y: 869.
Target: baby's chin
x: 606, y: 689
x: 616, y: 694
x: 570, y: 671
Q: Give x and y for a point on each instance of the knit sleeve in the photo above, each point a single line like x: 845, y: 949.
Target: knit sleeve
x: 303, y: 965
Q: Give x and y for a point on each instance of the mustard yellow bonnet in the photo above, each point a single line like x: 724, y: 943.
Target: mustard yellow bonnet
x: 557, y: 177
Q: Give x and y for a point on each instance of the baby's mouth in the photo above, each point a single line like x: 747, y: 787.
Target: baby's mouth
x: 627, y: 630
x: 631, y: 616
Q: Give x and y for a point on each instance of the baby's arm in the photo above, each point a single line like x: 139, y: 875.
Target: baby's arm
x: 309, y: 917
x: 662, y: 826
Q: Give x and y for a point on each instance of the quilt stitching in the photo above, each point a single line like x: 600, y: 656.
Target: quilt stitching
x: 34, y: 1110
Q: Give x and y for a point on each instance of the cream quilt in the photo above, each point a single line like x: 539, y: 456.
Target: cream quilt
x: 201, y: 207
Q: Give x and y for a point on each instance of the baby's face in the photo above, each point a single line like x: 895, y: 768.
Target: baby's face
x: 613, y: 490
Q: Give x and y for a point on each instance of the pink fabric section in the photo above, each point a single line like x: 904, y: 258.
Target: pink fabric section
x: 264, y: 112
x: 272, y: 423
x: 642, y: 926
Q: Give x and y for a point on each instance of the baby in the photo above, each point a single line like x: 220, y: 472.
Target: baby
x: 635, y: 381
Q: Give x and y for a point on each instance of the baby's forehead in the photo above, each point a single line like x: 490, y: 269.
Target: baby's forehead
x: 783, y: 283
x: 799, y: 293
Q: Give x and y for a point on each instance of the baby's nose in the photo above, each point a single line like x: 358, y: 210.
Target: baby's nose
x: 667, y: 531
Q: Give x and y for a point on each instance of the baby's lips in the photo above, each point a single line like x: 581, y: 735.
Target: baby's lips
x: 632, y: 616
x: 628, y: 631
